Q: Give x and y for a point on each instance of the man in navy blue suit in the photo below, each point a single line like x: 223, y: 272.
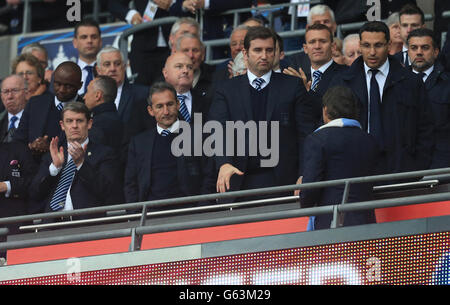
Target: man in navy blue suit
x: 40, y: 119
x: 153, y: 171
x: 262, y: 95
x: 337, y: 150
x: 79, y: 173
x: 393, y: 102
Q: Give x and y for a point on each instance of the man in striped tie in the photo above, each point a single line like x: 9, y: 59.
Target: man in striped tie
x: 80, y: 173
x: 179, y: 72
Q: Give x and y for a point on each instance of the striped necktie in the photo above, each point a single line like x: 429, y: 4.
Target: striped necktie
x: 60, y: 106
x: 12, y: 122
x: 317, y: 75
x: 258, y: 83
x: 165, y: 133
x: 65, y: 181
x: 89, y: 77
x: 183, y: 109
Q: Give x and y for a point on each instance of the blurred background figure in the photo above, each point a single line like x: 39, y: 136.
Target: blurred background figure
x: 350, y: 49
x: 393, y: 23
x: 29, y: 67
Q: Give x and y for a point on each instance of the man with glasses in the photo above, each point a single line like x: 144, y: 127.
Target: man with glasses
x: 13, y: 93
x: 40, y: 119
x: 393, y: 102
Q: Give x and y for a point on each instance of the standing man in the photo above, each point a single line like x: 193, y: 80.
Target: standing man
x: 14, y: 98
x: 423, y: 52
x: 411, y: 18
x: 80, y: 173
x: 393, y: 102
x: 88, y: 41
x: 261, y: 95
x: 153, y: 172
x: 40, y: 119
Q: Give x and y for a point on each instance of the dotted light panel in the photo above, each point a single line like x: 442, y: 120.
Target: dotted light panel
x: 417, y: 259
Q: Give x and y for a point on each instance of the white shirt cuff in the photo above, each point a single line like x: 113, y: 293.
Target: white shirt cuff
x: 8, y: 189
x: 207, y: 4
x: 54, y: 171
x: 130, y: 15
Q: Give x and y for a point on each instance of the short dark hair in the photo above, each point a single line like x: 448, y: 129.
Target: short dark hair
x: 319, y: 27
x: 423, y: 32
x: 160, y: 87
x: 77, y: 107
x: 108, y: 86
x: 258, y: 32
x: 411, y: 9
x: 86, y: 22
x: 375, y: 26
x: 340, y: 103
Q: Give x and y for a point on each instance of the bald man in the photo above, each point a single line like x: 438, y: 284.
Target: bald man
x: 40, y: 119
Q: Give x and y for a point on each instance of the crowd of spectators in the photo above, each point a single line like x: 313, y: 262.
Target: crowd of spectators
x: 84, y: 135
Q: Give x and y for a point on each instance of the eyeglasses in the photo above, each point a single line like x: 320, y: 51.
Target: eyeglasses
x: 14, y: 91
x: 27, y: 73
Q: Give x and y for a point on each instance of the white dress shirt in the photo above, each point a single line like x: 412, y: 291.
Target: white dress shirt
x: 380, y: 77
x: 187, y: 101
x: 173, y: 128
x: 18, y: 115
x: 84, y: 73
x: 427, y: 72
x: 265, y: 77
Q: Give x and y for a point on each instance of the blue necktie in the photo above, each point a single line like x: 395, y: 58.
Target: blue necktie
x: 59, y: 197
x: 89, y: 77
x: 183, y: 109
x: 165, y: 133
x: 376, y: 127
x: 12, y: 122
x: 258, y: 83
x: 60, y: 106
x: 317, y: 75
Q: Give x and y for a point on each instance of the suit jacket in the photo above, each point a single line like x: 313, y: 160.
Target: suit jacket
x: 4, y: 125
x: 97, y: 182
x: 287, y: 104
x: 194, y: 174
x: 437, y: 86
x: 19, y: 175
x: 131, y: 95
x: 300, y: 60
x: 336, y: 153
x: 406, y: 116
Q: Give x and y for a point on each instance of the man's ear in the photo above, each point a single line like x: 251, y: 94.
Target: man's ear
x: 150, y: 110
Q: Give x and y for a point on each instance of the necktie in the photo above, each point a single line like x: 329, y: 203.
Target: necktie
x: 59, y: 197
x: 12, y: 122
x: 405, y: 58
x: 183, y: 109
x: 89, y: 77
x: 376, y: 128
x: 422, y: 76
x: 165, y: 133
x: 258, y: 83
x: 60, y: 106
x: 317, y: 75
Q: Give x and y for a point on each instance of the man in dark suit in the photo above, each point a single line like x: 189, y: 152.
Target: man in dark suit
x: 107, y: 128
x: 14, y: 99
x: 321, y: 14
x: 411, y: 18
x: 337, y: 150
x: 393, y: 102
x: 40, y: 119
x: 319, y: 47
x: 153, y: 171
x: 110, y: 63
x: 149, y: 48
x: 424, y: 51
x: 17, y: 168
x: 80, y: 173
x: 262, y: 95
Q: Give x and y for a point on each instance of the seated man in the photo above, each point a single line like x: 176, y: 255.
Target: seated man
x: 152, y: 171
x: 339, y: 149
x: 79, y: 174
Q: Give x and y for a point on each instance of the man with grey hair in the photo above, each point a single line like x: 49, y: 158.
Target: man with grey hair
x: 350, y: 48
x: 110, y: 63
x: 13, y: 93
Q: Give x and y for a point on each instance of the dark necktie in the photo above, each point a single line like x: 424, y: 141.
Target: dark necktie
x: 12, y: 122
x: 89, y: 76
x: 183, y: 108
x: 375, y: 121
x: 317, y: 75
x: 60, y: 106
x: 422, y: 76
x: 65, y: 181
x: 258, y: 83
x: 405, y: 58
x: 165, y: 133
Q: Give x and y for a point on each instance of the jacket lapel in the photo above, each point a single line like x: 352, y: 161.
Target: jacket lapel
x: 243, y: 95
x: 124, y: 99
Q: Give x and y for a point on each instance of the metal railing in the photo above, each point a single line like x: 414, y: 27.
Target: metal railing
x: 143, y: 227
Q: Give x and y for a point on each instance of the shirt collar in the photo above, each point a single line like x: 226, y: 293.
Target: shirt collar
x: 404, y: 48
x: 427, y: 71
x: 18, y: 115
x: 174, y: 128
x: 85, y: 142
x: 82, y: 64
x: 384, y: 68
x: 58, y: 101
x: 323, y: 68
x: 252, y: 77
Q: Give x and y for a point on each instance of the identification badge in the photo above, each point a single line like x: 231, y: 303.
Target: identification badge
x: 150, y: 12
